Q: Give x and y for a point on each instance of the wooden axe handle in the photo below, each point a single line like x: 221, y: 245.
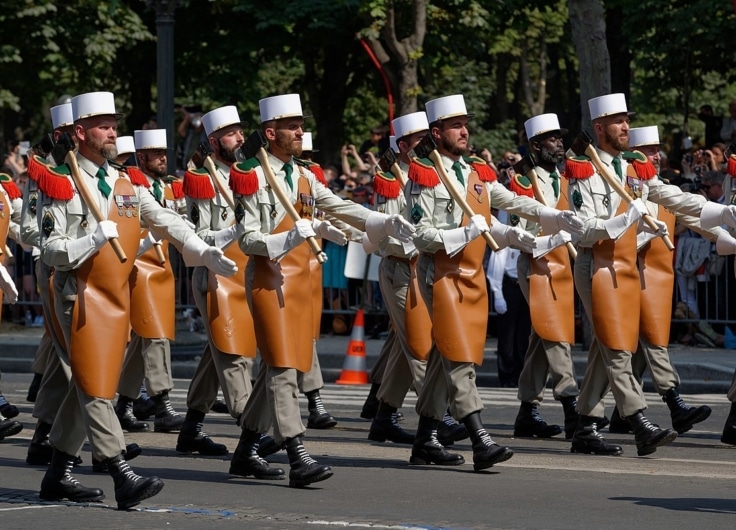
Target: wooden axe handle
x: 435, y: 157
x: 539, y: 195
x: 91, y: 203
x: 219, y: 185
x: 285, y: 202
x: 159, y: 252
x: 396, y: 171
x: 615, y: 183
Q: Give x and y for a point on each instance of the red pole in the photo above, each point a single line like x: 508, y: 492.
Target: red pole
x: 386, y: 81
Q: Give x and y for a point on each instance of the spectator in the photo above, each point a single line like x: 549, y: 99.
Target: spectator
x: 349, y: 151
x: 377, y: 143
x: 712, y: 123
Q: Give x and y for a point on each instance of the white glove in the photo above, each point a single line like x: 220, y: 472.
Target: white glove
x: 513, y: 236
x: 279, y: 244
x: 326, y: 230
x: 725, y: 244
x: 188, y: 222
x: 546, y: 244
x: 379, y: 225
x: 197, y: 253
x: 227, y: 236
x: 81, y: 249
x: 616, y: 226
x: 7, y: 285
x: 661, y: 230
x: 145, y: 245
x: 554, y: 220
x: 714, y: 214
x: 456, y: 239
x: 499, y: 304
x: 369, y: 247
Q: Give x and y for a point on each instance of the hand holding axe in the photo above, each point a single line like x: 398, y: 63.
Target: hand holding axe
x: 203, y: 158
x: 428, y: 149
x: 254, y: 146
x: 64, y: 150
x: 525, y: 166
x: 583, y: 145
x: 390, y: 164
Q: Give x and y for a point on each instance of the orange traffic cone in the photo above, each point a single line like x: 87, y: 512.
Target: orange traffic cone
x: 353, y: 369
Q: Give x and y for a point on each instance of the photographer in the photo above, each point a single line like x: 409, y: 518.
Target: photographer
x: 192, y: 133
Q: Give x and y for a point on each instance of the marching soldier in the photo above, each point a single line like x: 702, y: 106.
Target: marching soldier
x: 92, y: 297
x: 278, y: 280
x: 546, y: 282
x: 452, y: 277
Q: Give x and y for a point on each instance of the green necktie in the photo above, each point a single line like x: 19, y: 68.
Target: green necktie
x: 103, y: 186
x: 288, y: 170
x: 157, y: 190
x: 555, y: 183
x: 617, y: 166
x: 458, y: 172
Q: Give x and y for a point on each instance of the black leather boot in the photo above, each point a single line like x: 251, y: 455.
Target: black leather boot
x: 166, y: 419
x: 33, y: 388
x: 649, y: 436
x: 131, y: 451
x: 220, y: 407
x: 192, y: 439
x: 385, y: 427
x: 267, y: 446
x: 6, y: 409
x: 318, y: 418
x: 530, y: 424
x: 40, y: 450
x: 370, y: 407
x: 304, y: 469
x: 683, y: 415
x: 729, y: 429
x: 486, y: 452
x: 450, y: 431
x: 619, y: 425
x: 124, y: 412
x: 589, y: 441
x: 246, y: 461
x: 428, y: 450
x: 58, y: 482
x: 571, y: 415
x: 9, y: 427
x: 130, y: 488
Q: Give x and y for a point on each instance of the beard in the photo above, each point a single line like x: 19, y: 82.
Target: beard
x: 109, y: 151
x: 618, y: 143
x: 453, y: 148
x: 292, y: 148
x: 227, y: 155
x: 551, y: 157
x: 154, y: 170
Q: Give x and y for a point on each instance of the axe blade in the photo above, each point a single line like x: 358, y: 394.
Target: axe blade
x: 425, y: 146
x: 581, y: 143
x: 45, y: 146
x: 730, y: 151
x: 388, y: 159
x: 253, y: 144
x: 63, y: 145
x: 525, y: 165
x: 204, y: 149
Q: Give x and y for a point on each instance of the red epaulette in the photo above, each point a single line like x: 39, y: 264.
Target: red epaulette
x: 244, y: 178
x: 36, y: 166
x: 645, y: 170
x: 485, y: 172
x: 197, y: 184
x: 177, y: 188
x: 386, y: 184
x: 731, y: 168
x: 521, y: 185
x: 314, y: 167
x: 579, y: 167
x: 54, y: 182
x: 10, y: 187
x: 136, y: 176
x: 423, y: 172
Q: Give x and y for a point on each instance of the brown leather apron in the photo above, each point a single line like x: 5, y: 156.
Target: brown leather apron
x: 460, y: 295
x: 418, y: 324
x: 281, y: 294
x: 315, y: 268
x: 657, y: 284
x: 616, y: 290
x: 4, y: 224
x: 101, y: 315
x: 552, y: 291
x: 152, y: 295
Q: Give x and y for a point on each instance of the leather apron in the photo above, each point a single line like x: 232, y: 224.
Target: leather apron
x: 281, y: 294
x: 101, y: 315
x: 552, y: 291
x: 616, y: 290
x: 315, y: 268
x: 460, y: 295
x: 418, y: 324
x: 657, y: 283
x: 4, y: 224
x: 152, y: 295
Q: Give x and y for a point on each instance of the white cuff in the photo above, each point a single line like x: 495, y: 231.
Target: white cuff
x: 711, y: 215
x: 80, y: 250
x: 193, y: 250
x: 616, y: 226
x: 548, y: 220
x: 455, y: 240
x: 375, y: 226
x: 277, y: 245
x: 725, y: 244
x: 499, y: 234
x: 368, y: 246
x: 642, y: 238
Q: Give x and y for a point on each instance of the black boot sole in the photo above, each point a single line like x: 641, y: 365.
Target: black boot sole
x: 188, y: 448
x: 11, y: 430
x: 423, y: 458
x: 650, y: 448
x: 502, y: 456
x: 702, y: 414
x: 149, y: 491
x: 375, y: 435
x: 255, y: 474
x: 729, y: 436
x: 548, y: 432
x: 56, y: 497
x: 327, y: 424
x: 591, y: 451
x: 294, y: 483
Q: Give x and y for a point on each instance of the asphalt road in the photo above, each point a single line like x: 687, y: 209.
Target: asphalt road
x: 689, y: 484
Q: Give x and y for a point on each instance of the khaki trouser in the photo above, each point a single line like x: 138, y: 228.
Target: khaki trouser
x: 605, y: 366
x: 402, y: 369
x: 664, y: 375
x: 147, y: 360
x: 444, y: 380
x: 544, y: 359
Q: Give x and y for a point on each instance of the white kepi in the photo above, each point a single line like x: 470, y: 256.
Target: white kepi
x: 392, y: 144
x: 446, y: 107
x: 307, y: 142
x: 280, y: 107
x: 640, y: 136
x: 410, y: 123
x: 150, y: 139
x: 541, y: 124
x: 94, y: 104
x: 61, y: 115
x: 125, y: 145
x: 607, y: 105
x: 220, y: 118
